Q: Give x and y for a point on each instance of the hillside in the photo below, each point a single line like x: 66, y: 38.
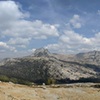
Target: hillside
x: 43, y: 66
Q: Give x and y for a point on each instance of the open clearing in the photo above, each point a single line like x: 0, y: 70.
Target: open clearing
x: 10, y: 91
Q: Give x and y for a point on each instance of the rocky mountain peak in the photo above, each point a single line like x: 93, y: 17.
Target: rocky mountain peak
x: 41, y: 52
x: 43, y: 66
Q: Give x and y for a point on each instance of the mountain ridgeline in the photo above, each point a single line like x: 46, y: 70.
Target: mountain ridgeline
x: 43, y: 67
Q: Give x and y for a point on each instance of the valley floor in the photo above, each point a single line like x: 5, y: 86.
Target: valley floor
x: 10, y: 91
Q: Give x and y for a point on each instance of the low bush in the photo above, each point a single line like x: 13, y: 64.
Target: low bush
x: 97, y: 86
x: 24, y: 82
x: 50, y: 81
x: 5, y: 78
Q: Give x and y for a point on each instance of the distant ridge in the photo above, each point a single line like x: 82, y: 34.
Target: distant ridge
x: 42, y: 66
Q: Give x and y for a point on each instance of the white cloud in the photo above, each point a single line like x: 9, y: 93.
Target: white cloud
x: 10, y: 9
x: 31, y: 50
x: 18, y: 31
x: 75, y: 21
x: 53, y: 46
x: 70, y: 37
x: 14, y: 24
x: 34, y: 29
x: 59, y: 48
x: 72, y: 42
x: 19, y: 41
x: 98, y: 12
x: 4, y: 46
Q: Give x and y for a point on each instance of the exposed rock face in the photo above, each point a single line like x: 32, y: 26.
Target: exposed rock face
x: 92, y: 57
x: 41, y: 52
x: 44, y: 65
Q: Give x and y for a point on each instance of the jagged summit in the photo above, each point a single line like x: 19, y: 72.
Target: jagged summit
x: 41, y: 52
x: 44, y: 65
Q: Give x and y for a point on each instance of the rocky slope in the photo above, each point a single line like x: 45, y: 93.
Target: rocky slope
x: 42, y: 66
x: 92, y: 57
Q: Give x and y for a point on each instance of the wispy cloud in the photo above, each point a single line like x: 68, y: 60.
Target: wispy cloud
x: 4, y: 46
x: 56, y: 24
x: 73, y: 42
x: 19, y: 30
x: 76, y: 21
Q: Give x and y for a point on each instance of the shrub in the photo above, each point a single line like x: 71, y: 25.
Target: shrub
x: 90, y: 79
x: 97, y: 86
x: 50, y: 81
x: 4, y: 78
x: 14, y: 80
x: 24, y: 82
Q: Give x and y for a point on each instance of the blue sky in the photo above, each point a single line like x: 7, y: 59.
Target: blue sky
x: 62, y: 26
